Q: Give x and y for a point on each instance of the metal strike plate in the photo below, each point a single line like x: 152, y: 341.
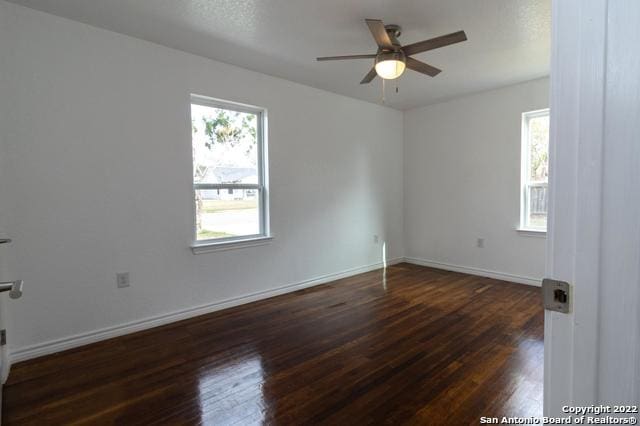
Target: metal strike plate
x: 556, y: 295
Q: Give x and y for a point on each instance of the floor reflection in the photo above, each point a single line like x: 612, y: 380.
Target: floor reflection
x: 404, y: 345
x: 384, y: 279
x: 233, y: 393
x: 526, y: 380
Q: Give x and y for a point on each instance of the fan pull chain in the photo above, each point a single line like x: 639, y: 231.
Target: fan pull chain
x: 383, y: 85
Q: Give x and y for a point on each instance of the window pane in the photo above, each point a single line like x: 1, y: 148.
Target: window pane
x: 225, y: 145
x: 539, y: 149
x: 227, y: 213
x: 537, y: 208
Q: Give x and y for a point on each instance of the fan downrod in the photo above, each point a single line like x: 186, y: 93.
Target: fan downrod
x: 394, y: 31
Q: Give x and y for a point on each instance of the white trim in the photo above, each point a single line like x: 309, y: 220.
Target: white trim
x: 575, y: 249
x: 209, y: 101
x: 82, y: 339
x: 209, y: 246
x: 525, y: 163
x: 476, y: 271
x: 263, y: 165
x: 532, y: 232
x: 240, y: 186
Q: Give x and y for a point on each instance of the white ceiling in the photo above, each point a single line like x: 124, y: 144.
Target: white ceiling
x: 509, y: 40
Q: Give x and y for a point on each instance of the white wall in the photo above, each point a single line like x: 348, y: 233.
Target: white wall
x: 97, y: 147
x: 462, y: 182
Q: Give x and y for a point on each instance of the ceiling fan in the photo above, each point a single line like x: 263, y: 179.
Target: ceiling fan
x: 392, y: 58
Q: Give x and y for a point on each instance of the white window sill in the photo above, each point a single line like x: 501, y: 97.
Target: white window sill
x: 209, y: 247
x: 540, y: 233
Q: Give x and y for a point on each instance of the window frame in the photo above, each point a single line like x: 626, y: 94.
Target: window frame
x: 525, y: 173
x: 262, y: 187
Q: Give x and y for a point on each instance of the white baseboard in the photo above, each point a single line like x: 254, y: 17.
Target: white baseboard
x: 82, y: 339
x: 475, y: 271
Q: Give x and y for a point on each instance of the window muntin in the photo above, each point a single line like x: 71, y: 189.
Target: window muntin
x: 535, y: 170
x: 229, y: 172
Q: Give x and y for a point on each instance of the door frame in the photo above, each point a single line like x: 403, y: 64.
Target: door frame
x: 587, y: 356
x: 575, y: 155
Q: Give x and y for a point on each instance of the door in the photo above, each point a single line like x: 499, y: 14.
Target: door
x: 4, y: 353
x: 592, y: 354
x: 4, y: 276
x: 12, y: 288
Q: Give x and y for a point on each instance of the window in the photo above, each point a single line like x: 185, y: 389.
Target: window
x: 535, y: 170
x: 229, y: 171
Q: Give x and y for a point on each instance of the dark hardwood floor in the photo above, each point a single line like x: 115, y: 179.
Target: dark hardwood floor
x: 413, y: 345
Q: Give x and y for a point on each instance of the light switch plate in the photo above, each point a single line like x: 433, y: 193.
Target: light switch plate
x: 122, y: 279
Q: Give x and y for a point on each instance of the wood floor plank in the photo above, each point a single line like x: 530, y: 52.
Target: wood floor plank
x: 405, y: 345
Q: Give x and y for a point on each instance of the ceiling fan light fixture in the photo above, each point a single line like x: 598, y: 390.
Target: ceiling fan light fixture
x: 390, y: 65
x: 392, y: 58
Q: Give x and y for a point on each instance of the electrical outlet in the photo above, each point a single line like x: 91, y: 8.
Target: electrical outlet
x: 376, y: 239
x: 122, y: 279
x: 480, y: 243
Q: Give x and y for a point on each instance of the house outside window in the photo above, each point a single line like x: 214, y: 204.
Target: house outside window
x: 229, y: 171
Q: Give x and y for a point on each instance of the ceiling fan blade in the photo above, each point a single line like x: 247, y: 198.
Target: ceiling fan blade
x: 414, y: 64
x: 379, y: 33
x: 434, y: 43
x: 339, y: 58
x: 370, y: 76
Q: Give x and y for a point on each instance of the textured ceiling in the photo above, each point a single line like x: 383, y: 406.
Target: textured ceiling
x: 509, y: 40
